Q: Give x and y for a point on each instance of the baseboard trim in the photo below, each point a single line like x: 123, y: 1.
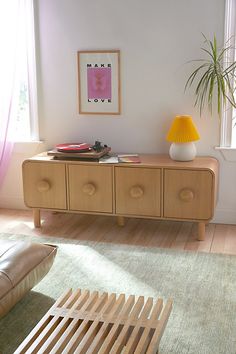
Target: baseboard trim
x: 12, y: 203
x: 224, y: 216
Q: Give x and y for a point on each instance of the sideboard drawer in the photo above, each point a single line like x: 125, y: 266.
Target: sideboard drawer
x: 90, y: 188
x: 188, y: 194
x: 138, y: 191
x: 44, y: 185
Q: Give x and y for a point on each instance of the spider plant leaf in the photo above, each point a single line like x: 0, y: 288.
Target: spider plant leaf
x: 223, y: 92
x: 230, y: 91
x: 208, y: 52
x: 230, y: 68
x: 200, y: 100
x: 218, y: 95
x: 223, y: 51
x: 201, y: 82
x: 215, y: 47
x: 231, y: 101
x: 193, y: 75
x: 193, y: 60
x: 229, y: 40
x: 214, y: 78
x: 201, y: 91
x: 211, y: 90
x: 210, y: 78
x: 206, y: 39
x: 190, y: 80
x: 212, y: 49
x: 228, y: 81
x: 203, y: 94
x: 221, y: 86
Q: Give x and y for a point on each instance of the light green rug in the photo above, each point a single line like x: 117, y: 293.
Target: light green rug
x: 203, y: 288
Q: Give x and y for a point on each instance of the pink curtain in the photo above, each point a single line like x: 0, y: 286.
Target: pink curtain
x: 9, y: 40
x: 6, y: 145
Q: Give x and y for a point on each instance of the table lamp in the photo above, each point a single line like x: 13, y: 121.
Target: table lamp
x: 182, y: 133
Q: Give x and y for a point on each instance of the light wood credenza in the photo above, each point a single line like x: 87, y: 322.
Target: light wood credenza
x: 157, y: 188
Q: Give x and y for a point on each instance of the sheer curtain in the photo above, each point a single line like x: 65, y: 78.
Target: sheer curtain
x: 15, y: 37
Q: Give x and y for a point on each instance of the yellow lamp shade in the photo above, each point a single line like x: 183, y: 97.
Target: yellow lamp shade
x: 182, y: 130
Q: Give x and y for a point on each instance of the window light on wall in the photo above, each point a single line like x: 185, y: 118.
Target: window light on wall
x: 18, y: 69
x: 228, y: 123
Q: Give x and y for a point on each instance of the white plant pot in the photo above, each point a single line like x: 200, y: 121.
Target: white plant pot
x: 183, y: 151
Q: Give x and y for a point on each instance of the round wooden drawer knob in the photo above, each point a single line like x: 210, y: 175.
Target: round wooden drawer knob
x: 89, y: 189
x: 43, y: 186
x: 186, y: 195
x: 136, y: 192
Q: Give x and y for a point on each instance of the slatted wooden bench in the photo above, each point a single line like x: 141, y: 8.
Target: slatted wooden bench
x: 84, y: 322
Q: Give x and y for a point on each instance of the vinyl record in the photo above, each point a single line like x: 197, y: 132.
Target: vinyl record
x: 74, y: 147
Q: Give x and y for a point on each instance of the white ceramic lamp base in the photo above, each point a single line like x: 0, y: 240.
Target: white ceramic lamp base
x: 183, y: 151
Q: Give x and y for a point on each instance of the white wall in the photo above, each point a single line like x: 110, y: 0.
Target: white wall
x: 11, y: 192
x: 156, y: 40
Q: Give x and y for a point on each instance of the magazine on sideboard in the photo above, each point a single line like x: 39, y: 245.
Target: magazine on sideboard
x: 120, y: 158
x: 129, y: 158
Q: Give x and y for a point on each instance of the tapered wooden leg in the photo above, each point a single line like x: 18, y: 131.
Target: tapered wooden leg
x: 37, y: 218
x: 120, y: 220
x: 201, y: 231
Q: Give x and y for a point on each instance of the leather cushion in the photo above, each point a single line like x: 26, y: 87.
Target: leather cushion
x: 22, y: 266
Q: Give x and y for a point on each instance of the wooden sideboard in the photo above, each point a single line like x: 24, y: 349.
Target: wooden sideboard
x: 157, y: 188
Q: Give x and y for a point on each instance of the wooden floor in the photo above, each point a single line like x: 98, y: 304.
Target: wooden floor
x: 144, y: 232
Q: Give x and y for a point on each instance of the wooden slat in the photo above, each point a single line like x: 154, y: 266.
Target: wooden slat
x: 153, y: 347
x: 81, y: 322
x: 55, y: 335
x: 81, y: 331
x: 45, y: 334
x: 104, y: 330
x: 144, y: 340
x: 133, y: 339
x: 81, y: 305
x: 109, y: 341
x: 36, y: 347
x: 120, y: 341
x: 42, y: 324
x: 93, y: 330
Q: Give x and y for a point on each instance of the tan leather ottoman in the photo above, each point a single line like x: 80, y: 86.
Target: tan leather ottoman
x: 22, y: 266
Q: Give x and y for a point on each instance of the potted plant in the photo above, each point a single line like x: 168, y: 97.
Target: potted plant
x: 214, y: 77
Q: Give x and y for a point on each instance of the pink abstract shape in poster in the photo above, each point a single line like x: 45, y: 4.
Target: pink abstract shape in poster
x: 99, y: 83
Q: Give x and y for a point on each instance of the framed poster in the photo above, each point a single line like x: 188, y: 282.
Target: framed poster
x: 99, y: 82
